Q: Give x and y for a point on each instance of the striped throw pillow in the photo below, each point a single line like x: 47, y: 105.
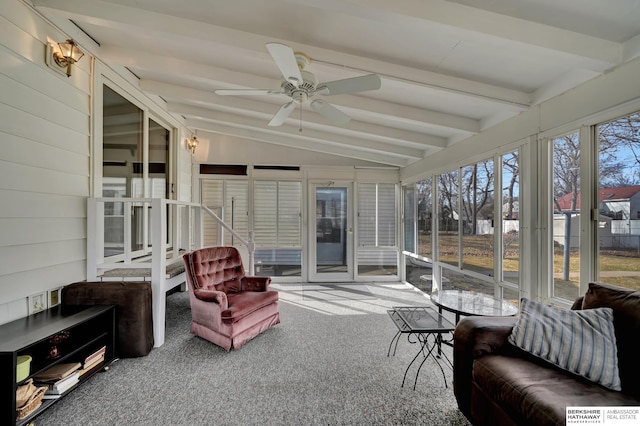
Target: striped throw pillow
x: 582, y: 341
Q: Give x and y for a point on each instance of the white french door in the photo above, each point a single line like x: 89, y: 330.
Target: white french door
x: 330, y: 232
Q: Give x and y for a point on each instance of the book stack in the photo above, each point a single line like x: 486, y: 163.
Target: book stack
x: 92, y: 360
x: 59, y: 379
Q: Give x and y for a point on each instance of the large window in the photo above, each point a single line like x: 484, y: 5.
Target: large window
x: 470, y: 204
x: 277, y: 224
x: 477, y: 217
x: 135, y: 165
x: 424, y: 194
x: 565, y: 161
x: 418, y: 215
x: 448, y: 218
x: 619, y: 201
x: 511, y: 218
x: 377, y: 228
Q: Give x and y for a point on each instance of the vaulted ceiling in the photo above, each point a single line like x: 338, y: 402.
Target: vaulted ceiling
x: 448, y: 69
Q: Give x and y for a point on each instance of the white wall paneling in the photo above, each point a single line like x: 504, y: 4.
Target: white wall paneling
x: 44, y: 162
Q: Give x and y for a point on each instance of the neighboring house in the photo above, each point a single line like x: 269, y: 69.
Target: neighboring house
x: 619, y: 211
x: 620, y: 203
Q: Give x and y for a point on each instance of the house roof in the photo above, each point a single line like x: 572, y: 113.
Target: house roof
x: 448, y: 69
x: 622, y: 193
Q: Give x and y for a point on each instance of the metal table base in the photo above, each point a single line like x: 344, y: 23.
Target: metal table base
x: 424, y: 326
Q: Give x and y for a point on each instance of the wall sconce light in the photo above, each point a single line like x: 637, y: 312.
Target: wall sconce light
x: 193, y: 143
x: 66, y: 55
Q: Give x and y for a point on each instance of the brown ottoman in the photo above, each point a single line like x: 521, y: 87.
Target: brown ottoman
x: 133, y: 311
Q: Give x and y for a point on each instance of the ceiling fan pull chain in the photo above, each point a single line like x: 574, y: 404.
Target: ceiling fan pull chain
x: 300, y: 129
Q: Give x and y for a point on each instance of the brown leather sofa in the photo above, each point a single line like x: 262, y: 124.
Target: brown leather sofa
x: 496, y: 383
x: 228, y: 308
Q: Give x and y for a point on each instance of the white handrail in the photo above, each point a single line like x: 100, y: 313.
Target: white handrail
x: 250, y: 244
x: 186, y: 232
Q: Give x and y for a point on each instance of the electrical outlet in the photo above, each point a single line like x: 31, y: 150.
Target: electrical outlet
x: 54, y: 297
x: 37, y: 302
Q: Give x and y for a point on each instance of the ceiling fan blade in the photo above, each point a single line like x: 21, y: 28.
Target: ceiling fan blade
x: 286, y: 61
x: 331, y: 113
x: 282, y: 114
x: 350, y: 85
x: 245, y: 92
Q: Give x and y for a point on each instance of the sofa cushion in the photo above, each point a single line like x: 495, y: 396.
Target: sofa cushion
x: 626, y: 320
x: 582, y: 342
x: 533, y: 392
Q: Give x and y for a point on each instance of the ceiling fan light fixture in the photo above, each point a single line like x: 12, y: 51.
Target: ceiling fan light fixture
x: 299, y: 96
x: 301, y: 86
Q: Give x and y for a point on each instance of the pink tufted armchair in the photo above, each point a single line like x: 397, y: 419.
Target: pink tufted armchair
x: 228, y: 308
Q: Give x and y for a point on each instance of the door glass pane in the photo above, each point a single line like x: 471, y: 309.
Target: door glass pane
x: 448, y: 218
x: 122, y: 155
x: 619, y: 201
x: 331, y: 224
x: 477, y: 217
x: 158, y: 161
x: 511, y: 217
x: 566, y: 216
x: 377, y: 229
x: 278, y: 228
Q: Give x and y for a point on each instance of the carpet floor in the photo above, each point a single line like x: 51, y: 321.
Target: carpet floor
x: 326, y: 363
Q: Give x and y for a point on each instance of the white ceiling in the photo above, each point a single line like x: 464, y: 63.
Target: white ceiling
x: 449, y: 69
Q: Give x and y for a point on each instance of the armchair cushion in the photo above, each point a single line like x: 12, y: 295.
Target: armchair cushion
x: 581, y: 342
x: 246, y: 302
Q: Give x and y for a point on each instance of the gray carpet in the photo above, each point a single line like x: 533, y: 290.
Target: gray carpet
x: 348, y: 291
x: 325, y: 364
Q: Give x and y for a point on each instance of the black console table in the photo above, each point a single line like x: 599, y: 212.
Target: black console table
x: 82, y: 331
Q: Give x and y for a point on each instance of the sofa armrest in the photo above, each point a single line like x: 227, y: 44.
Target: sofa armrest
x: 475, y: 337
x: 215, y: 296
x: 252, y: 283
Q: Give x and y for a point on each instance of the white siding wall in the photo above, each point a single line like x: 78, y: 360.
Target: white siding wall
x: 44, y: 163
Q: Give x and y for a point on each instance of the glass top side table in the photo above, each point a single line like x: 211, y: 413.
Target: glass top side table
x: 471, y: 303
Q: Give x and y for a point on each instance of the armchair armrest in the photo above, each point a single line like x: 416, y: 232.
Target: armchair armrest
x: 253, y: 283
x: 208, y: 295
x: 473, y: 338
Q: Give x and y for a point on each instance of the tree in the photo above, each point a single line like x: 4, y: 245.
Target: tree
x: 566, y: 169
x: 619, y: 152
x: 448, y: 193
x: 477, y: 193
x: 510, y: 173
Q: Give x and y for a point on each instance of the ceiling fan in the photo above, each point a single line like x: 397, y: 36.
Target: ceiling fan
x: 301, y: 86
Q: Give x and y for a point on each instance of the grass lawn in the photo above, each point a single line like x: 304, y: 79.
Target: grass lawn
x: 616, y: 267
